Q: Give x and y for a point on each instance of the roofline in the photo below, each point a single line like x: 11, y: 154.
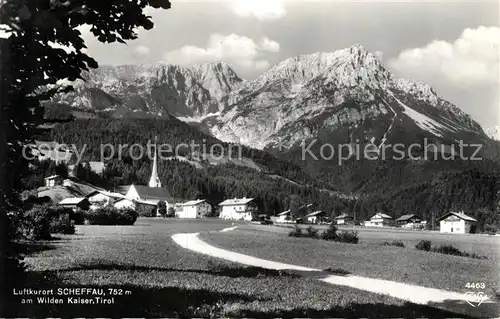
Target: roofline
x: 457, y: 215
x: 249, y: 200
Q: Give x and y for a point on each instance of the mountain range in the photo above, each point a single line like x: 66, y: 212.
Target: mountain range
x: 341, y: 96
x: 346, y: 96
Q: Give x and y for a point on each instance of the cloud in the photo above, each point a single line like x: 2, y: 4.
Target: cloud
x: 236, y: 50
x: 262, y: 10
x: 142, y: 50
x: 472, y: 59
x: 269, y: 45
x: 465, y: 71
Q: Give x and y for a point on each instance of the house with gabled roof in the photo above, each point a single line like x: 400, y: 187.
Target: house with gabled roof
x: 199, y: 208
x: 380, y: 220
x: 54, y: 180
x: 76, y: 203
x: 239, y: 209
x: 407, y: 219
x: 101, y: 198
x: 344, y: 219
x: 316, y: 217
x: 457, y: 223
x: 284, y: 217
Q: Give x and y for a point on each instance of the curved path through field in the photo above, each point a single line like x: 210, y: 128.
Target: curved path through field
x: 448, y: 300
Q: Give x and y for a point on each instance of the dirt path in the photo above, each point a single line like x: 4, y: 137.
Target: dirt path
x: 448, y: 300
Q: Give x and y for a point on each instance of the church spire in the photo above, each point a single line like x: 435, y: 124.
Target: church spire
x: 155, y: 180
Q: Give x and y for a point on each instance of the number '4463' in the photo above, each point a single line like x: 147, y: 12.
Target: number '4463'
x: 475, y: 285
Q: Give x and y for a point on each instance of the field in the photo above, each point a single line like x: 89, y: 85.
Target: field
x: 160, y: 279
x: 371, y: 259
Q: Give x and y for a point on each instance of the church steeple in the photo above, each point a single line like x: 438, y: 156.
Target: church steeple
x: 155, y: 180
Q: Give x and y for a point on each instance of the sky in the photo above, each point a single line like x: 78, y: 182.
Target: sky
x: 452, y: 45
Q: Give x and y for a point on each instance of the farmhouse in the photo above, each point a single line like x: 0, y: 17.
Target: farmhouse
x: 238, y: 209
x: 284, y: 217
x: 194, y: 209
x: 123, y: 203
x: 316, y: 217
x: 100, y: 199
x: 76, y: 202
x: 456, y: 223
x: 380, y: 220
x: 54, y: 180
x: 408, y: 219
x: 344, y: 219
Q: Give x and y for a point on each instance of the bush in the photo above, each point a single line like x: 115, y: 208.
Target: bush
x: 397, y: 243
x: 78, y: 217
x: 40, y: 221
x: 452, y: 250
x: 350, y: 237
x: 61, y: 225
x: 146, y: 210
x: 311, y: 232
x: 330, y: 233
x: 111, y: 216
x: 296, y: 232
x: 424, y: 245
x: 34, y: 223
x: 448, y: 250
x: 490, y: 229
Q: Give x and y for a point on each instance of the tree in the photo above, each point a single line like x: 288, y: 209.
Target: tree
x: 32, y: 63
x: 171, y: 212
x: 162, y: 208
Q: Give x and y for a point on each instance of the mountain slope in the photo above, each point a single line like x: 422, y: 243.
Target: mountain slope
x: 344, y: 94
x: 338, y: 97
x: 154, y: 89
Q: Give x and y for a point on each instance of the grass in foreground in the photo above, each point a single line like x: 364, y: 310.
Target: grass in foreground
x: 221, y: 291
x: 167, y: 281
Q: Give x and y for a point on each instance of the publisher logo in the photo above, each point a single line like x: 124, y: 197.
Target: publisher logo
x: 475, y: 298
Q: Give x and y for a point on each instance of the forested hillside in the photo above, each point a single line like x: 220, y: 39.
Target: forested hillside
x: 428, y: 188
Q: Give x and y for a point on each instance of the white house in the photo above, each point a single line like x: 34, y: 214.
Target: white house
x: 99, y: 199
x: 75, y: 203
x: 284, y: 217
x: 124, y: 203
x: 194, y: 209
x: 343, y: 219
x: 238, y: 209
x: 456, y: 223
x: 316, y: 217
x: 54, y: 180
x: 380, y: 220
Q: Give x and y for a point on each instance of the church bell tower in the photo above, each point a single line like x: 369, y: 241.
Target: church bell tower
x: 155, y: 180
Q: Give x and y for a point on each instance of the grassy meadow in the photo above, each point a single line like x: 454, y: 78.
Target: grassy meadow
x: 370, y: 258
x: 165, y: 280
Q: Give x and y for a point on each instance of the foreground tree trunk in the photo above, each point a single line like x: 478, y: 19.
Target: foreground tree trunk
x: 5, y: 183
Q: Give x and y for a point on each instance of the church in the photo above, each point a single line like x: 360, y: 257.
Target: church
x: 151, y: 194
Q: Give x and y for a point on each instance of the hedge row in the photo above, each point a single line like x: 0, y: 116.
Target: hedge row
x: 111, y: 216
x: 331, y: 233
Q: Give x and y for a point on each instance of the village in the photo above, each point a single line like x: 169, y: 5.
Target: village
x: 156, y: 201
